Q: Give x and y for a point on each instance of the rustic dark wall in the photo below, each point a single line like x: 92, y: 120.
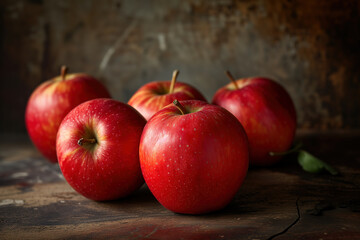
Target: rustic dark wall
x: 311, y: 47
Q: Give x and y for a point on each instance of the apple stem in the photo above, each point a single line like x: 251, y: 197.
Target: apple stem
x: 173, y: 80
x: 86, y: 140
x: 230, y: 76
x: 63, y: 72
x: 296, y: 148
x: 179, y: 106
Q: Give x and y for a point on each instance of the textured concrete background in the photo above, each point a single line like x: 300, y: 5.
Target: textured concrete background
x: 311, y: 47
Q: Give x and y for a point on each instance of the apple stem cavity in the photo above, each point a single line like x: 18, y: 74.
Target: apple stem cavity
x: 64, y: 70
x: 81, y: 141
x: 180, y: 107
x: 173, y: 80
x: 230, y: 76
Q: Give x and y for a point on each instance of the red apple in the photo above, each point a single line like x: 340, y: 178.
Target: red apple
x: 266, y: 112
x: 51, y: 101
x: 153, y: 96
x: 98, y: 149
x: 194, y: 156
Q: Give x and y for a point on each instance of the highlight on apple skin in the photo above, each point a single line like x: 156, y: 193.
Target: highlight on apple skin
x: 98, y: 149
x: 51, y: 101
x: 193, y: 156
x: 266, y: 112
x: 153, y: 96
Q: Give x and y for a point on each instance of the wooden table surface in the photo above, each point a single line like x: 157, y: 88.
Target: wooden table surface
x: 281, y: 202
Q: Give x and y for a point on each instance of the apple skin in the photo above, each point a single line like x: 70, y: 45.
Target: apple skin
x: 108, y: 169
x: 153, y: 96
x: 51, y: 101
x: 266, y: 112
x: 194, y: 163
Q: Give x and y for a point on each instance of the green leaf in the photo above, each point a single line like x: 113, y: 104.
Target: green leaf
x: 312, y: 164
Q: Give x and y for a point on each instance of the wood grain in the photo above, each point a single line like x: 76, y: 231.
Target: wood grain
x: 37, y: 203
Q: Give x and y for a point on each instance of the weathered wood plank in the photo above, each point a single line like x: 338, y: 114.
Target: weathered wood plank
x: 37, y: 203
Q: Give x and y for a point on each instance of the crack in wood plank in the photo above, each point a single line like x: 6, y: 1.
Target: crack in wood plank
x: 291, y: 225
x: 152, y: 232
